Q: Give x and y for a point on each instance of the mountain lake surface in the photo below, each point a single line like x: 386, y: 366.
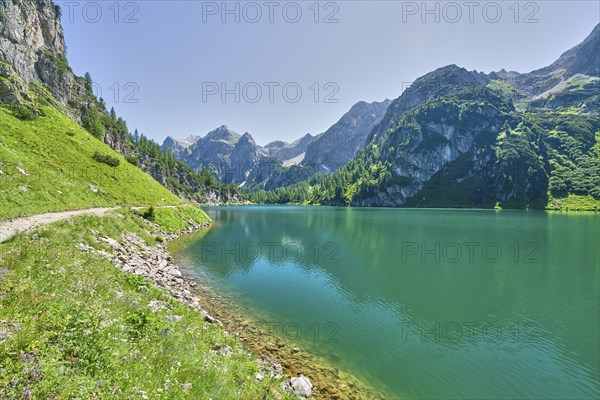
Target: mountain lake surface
x: 420, y: 303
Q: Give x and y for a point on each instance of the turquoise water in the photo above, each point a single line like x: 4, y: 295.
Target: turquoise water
x: 423, y: 304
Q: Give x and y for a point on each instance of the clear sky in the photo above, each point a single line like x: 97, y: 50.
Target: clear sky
x: 186, y: 67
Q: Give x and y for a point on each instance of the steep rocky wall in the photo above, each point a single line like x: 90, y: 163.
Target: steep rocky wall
x: 32, y: 42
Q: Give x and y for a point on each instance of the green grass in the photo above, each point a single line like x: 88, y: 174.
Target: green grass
x: 574, y: 203
x: 57, y: 156
x: 504, y: 87
x: 174, y: 220
x: 75, y: 326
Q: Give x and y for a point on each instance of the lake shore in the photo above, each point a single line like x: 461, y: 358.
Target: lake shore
x: 328, y: 382
x: 133, y: 256
x: 276, y: 354
x: 276, y: 357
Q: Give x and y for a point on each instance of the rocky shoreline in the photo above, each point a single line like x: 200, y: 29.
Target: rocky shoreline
x: 132, y: 255
x: 329, y: 382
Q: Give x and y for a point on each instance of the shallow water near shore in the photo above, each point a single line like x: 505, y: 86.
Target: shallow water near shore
x: 418, y: 303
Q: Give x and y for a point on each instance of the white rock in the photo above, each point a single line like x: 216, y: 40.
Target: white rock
x: 85, y: 248
x: 175, y: 272
x: 110, y: 241
x: 21, y: 170
x: 301, y: 386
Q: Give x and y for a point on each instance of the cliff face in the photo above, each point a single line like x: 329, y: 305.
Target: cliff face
x: 29, y: 29
x: 34, y: 70
x: 235, y: 158
x: 455, y: 138
x: 32, y: 43
x: 336, y: 146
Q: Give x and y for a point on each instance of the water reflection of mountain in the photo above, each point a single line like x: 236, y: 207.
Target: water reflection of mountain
x: 374, y: 256
x: 374, y: 286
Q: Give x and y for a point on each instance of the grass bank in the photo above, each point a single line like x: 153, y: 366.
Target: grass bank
x: 72, y: 325
x: 175, y: 219
x: 52, y: 164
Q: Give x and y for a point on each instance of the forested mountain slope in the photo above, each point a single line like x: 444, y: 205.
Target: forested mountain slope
x: 457, y: 138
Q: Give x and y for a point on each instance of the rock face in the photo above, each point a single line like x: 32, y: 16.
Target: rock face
x: 338, y: 144
x: 29, y: 28
x: 224, y: 152
x: 236, y: 158
x: 289, y: 152
x: 583, y: 59
x: 456, y: 139
x: 430, y: 86
x: 32, y: 43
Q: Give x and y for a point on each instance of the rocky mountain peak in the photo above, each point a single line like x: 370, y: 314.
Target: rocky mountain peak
x: 437, y: 83
x: 190, y: 140
x: 247, y: 138
x: 222, y: 133
x: 581, y: 59
x: 288, y: 151
x: 170, y: 141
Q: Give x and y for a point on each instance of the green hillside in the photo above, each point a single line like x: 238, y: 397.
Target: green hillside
x: 75, y: 326
x: 49, y: 163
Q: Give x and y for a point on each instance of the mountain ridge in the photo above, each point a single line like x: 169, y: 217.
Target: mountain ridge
x: 458, y: 138
x: 245, y: 163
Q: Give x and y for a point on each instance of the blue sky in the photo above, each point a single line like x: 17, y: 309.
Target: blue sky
x: 289, y: 68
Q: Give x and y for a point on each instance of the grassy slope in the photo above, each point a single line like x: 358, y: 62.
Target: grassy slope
x: 72, y: 325
x: 57, y: 155
x: 79, y: 327
x: 174, y: 220
x: 574, y: 202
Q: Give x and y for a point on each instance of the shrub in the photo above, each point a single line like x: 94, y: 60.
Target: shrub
x: 106, y: 159
x: 133, y: 160
x: 24, y: 113
x: 149, y: 214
